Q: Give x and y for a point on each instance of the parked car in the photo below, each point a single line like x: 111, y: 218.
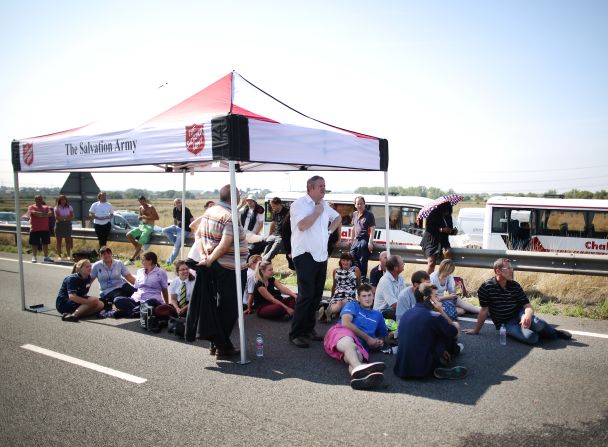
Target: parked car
x: 124, y: 220
x: 10, y: 218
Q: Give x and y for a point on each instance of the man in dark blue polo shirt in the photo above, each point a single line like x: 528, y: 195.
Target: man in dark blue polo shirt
x: 505, y: 301
x: 427, y: 339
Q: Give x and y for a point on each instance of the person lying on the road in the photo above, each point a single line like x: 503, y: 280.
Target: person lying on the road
x: 427, y: 340
x: 361, y: 328
x: 506, y: 302
x: 73, y: 300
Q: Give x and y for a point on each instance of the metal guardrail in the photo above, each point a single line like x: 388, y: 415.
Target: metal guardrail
x: 548, y: 262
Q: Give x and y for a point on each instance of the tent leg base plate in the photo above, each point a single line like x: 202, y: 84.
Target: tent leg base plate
x: 38, y: 308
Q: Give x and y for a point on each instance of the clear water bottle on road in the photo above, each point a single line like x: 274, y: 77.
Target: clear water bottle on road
x: 503, y: 335
x: 259, y: 346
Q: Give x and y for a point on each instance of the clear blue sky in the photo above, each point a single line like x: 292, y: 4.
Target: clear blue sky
x: 475, y: 96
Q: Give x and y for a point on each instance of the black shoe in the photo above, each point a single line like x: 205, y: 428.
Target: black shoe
x: 457, y: 372
x: 120, y: 314
x: 226, y: 354
x: 313, y: 336
x: 300, y: 342
x: 373, y: 380
x: 564, y: 335
x: 70, y: 317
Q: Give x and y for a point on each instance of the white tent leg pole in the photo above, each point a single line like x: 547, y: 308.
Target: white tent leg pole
x: 386, y: 215
x: 181, y: 248
x: 237, y: 261
x: 18, y: 238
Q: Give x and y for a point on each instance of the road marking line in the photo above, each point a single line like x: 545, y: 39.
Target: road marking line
x: 85, y: 364
x: 586, y: 334
x: 28, y: 261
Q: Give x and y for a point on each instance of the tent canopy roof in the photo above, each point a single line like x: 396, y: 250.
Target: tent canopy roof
x: 230, y: 119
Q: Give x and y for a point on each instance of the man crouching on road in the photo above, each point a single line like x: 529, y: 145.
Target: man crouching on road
x: 505, y: 301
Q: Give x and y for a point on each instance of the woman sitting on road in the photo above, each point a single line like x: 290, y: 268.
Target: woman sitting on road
x: 111, y: 274
x: 180, y: 292
x: 347, y: 277
x: 73, y: 300
x: 151, y: 283
x: 452, y: 304
x: 267, y: 299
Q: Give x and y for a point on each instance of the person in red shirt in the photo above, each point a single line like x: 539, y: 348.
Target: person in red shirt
x: 40, y: 234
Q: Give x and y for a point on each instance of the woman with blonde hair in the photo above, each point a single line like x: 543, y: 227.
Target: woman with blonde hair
x: 73, y: 300
x: 452, y: 304
x: 267, y: 298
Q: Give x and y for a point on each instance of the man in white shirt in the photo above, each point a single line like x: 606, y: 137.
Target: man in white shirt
x: 389, y: 287
x: 312, y: 220
x: 102, y: 212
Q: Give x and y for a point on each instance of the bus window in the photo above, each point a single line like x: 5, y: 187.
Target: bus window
x: 395, y: 218
x: 499, y: 220
x: 346, y: 212
x: 599, y: 225
x: 565, y: 223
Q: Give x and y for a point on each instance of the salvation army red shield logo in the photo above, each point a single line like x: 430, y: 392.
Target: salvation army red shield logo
x: 28, y: 153
x: 195, y: 138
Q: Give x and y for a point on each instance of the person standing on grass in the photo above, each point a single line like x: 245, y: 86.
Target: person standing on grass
x: 364, y: 225
x: 274, y: 241
x: 312, y: 220
x: 40, y: 236
x: 506, y: 303
x: 63, y: 226
x: 174, y: 232
x: 102, y: 212
x: 141, y: 235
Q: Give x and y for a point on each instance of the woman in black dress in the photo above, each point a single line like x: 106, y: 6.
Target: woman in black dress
x: 435, y: 240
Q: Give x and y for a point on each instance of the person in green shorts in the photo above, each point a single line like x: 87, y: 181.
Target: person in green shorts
x: 140, y: 236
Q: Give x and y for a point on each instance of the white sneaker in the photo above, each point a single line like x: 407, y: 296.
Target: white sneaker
x: 34, y: 260
x: 461, y: 346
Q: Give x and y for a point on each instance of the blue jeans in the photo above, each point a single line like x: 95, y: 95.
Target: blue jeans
x: 538, y: 329
x: 273, y: 245
x: 174, y: 235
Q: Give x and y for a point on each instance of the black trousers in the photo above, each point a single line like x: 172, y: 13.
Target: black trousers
x: 102, y: 232
x: 213, y: 309
x: 311, y: 281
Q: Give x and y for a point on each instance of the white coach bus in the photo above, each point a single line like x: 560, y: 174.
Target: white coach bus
x: 403, y: 210
x: 546, y: 224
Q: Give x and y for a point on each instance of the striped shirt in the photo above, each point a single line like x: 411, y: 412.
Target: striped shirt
x: 504, y: 304
x: 217, y: 223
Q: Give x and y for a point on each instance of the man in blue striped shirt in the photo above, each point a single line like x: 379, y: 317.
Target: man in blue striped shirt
x: 505, y: 301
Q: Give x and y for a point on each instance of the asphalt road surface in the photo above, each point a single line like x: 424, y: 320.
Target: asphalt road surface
x: 554, y: 394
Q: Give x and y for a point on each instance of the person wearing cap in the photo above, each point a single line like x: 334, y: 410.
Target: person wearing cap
x: 252, y: 215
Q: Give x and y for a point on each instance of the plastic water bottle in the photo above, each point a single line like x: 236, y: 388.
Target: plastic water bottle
x: 259, y: 346
x: 503, y: 335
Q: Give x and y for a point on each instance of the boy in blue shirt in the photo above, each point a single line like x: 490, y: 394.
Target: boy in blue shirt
x: 361, y: 328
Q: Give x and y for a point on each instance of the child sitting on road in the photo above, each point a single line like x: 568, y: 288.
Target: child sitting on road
x: 347, y: 277
x: 361, y: 328
x: 267, y: 299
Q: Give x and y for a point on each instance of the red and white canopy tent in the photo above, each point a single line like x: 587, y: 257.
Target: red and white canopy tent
x: 231, y: 125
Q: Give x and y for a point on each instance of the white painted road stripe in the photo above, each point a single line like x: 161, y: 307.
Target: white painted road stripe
x: 27, y: 260
x: 85, y: 364
x: 585, y: 334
